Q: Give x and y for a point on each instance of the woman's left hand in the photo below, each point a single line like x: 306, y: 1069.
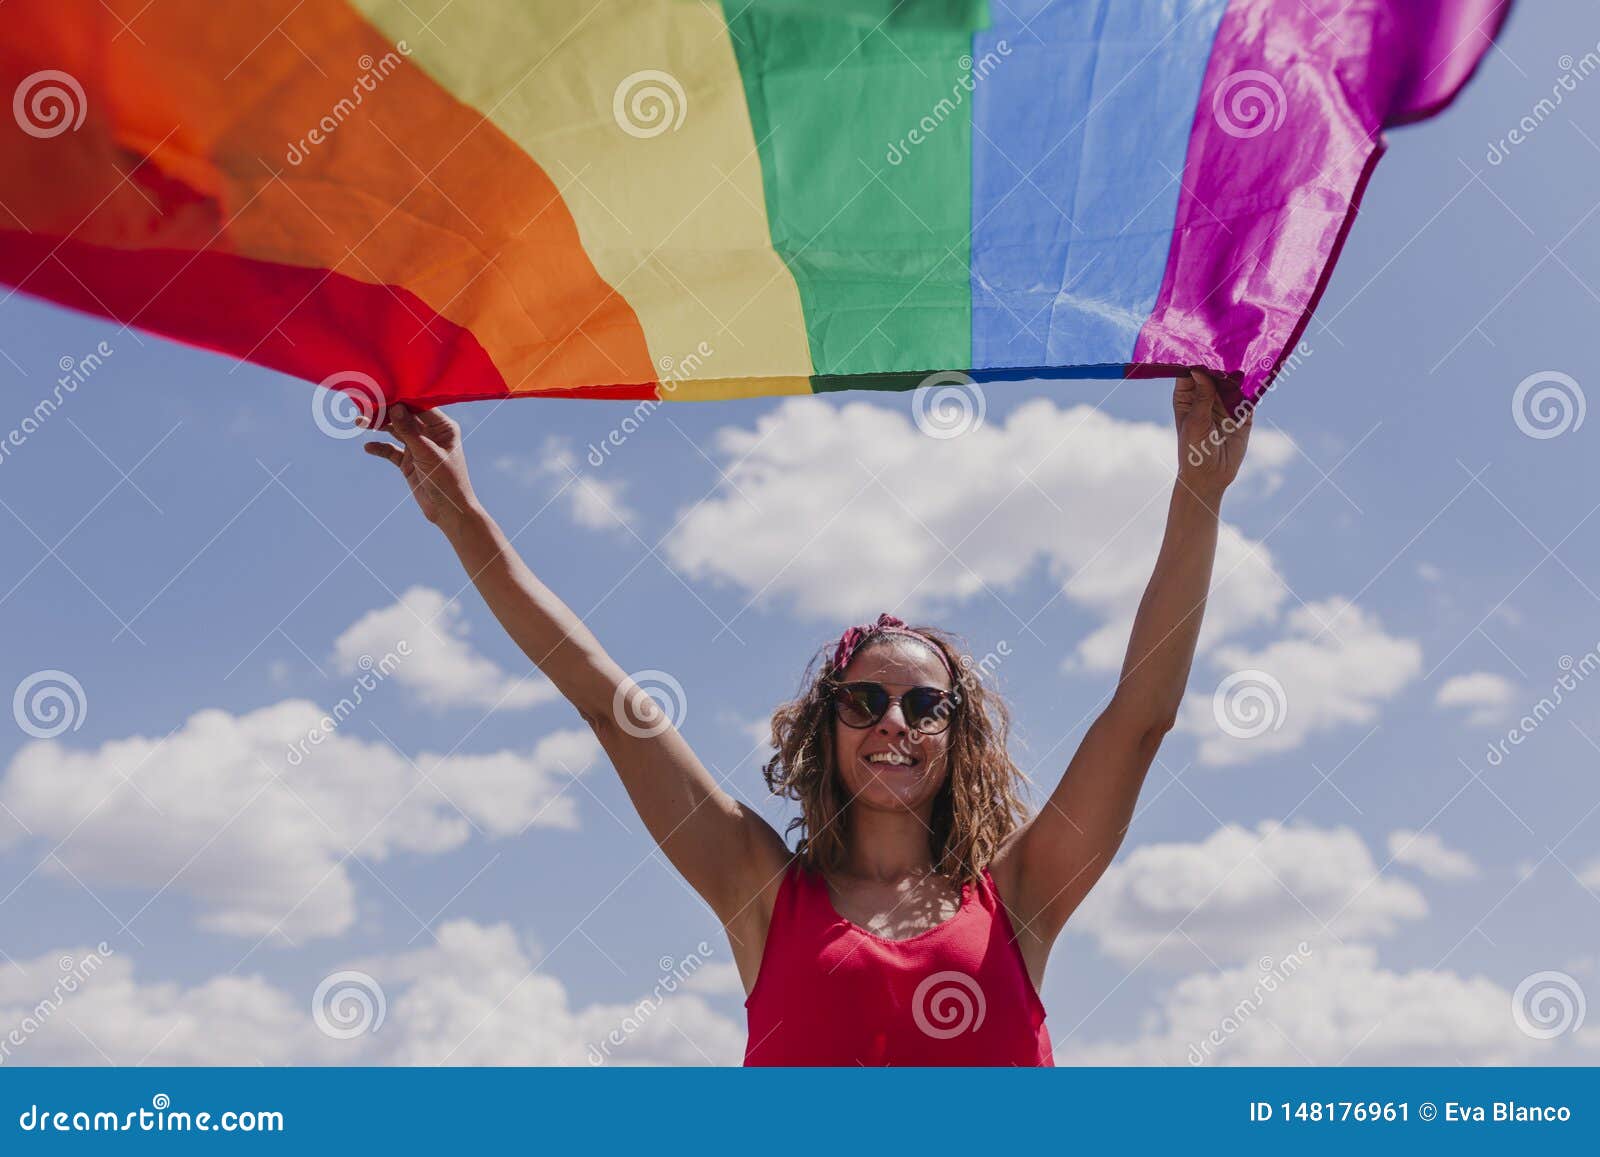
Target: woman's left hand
x: 1211, y: 441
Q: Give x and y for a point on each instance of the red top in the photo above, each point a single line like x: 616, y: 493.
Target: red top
x: 831, y: 993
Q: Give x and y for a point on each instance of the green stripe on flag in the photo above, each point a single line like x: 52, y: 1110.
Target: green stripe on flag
x: 965, y: 15
x: 865, y: 136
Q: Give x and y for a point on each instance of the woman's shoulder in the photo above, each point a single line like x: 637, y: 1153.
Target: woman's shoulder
x: 1000, y: 875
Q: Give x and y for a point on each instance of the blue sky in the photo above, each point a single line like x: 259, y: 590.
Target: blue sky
x: 1412, y: 567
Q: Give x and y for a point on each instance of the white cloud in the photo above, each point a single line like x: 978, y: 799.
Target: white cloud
x: 847, y: 510
x: 593, y: 501
x: 254, y: 822
x: 475, y: 997
x: 1590, y: 877
x: 1485, y: 695
x: 1336, y: 665
x: 758, y: 731
x: 721, y: 979
x: 80, y: 1006
x: 1429, y: 854
x: 437, y: 663
x: 1340, y: 1007
x: 1240, y: 893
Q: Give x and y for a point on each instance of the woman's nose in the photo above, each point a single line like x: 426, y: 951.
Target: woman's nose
x: 894, y: 719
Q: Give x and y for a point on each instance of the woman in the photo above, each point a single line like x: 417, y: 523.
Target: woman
x: 913, y: 923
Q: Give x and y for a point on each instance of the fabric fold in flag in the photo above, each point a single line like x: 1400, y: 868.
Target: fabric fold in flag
x: 683, y: 199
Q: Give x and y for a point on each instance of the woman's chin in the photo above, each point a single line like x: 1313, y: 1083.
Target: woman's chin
x: 879, y: 800
x: 888, y: 787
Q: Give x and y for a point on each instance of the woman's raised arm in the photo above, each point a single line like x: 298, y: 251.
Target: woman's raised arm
x: 728, y: 854
x: 1048, y: 867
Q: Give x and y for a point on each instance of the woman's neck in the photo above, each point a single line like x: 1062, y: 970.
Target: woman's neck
x: 888, y: 846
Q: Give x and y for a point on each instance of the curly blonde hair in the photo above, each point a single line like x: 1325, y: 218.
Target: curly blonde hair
x: 979, y: 805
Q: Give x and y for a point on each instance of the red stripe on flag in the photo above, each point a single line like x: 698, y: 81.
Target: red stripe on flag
x: 299, y: 321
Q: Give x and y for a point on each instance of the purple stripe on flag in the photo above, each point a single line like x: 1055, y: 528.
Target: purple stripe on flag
x: 1288, y: 128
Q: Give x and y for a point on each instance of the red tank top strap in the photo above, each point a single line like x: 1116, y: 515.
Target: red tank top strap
x: 784, y: 929
x: 989, y: 895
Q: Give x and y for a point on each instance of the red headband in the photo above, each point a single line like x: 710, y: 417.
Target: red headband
x: 887, y: 624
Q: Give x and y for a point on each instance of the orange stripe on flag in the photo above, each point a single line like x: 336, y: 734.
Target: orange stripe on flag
x: 295, y: 133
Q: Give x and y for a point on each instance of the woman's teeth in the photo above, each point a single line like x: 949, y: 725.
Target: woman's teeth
x: 892, y: 758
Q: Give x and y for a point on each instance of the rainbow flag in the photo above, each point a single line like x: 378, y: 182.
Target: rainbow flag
x: 442, y: 200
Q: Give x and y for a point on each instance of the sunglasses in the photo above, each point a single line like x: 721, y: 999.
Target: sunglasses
x: 927, y: 710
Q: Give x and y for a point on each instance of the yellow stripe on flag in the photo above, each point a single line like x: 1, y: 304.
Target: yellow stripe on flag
x: 725, y: 389
x: 637, y: 112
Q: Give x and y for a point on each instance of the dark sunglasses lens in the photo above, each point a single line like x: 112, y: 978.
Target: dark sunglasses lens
x: 927, y: 709
x: 861, y: 705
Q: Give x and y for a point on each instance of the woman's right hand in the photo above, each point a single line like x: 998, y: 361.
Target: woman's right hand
x: 431, y: 457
